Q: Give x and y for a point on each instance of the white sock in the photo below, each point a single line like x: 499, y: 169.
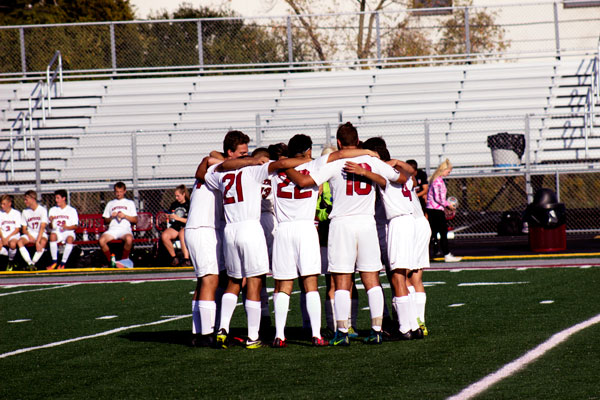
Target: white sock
x: 228, y: 303
x: 11, y: 254
x: 54, y: 251
x: 375, y: 295
x: 208, y: 310
x: 281, y: 303
x: 414, y: 325
x: 330, y: 314
x: 37, y: 256
x: 342, y: 306
x: 25, y: 254
x: 3, y: 251
x: 402, y: 306
x: 313, y: 308
x: 196, y: 321
x: 253, y: 314
x: 67, y: 252
x: 420, y: 300
x: 303, y: 310
x: 411, y: 289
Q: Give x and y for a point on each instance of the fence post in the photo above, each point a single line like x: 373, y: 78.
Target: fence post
x: 327, y: 135
x: 12, y: 155
x: 289, y: 40
x: 528, y: 188
x: 378, y: 33
x: 23, y: 55
x: 467, y: 32
x: 113, y: 48
x: 427, y: 148
x: 556, y: 31
x: 134, y: 168
x: 557, y: 179
x: 258, y: 132
x: 38, y: 166
x: 200, y: 46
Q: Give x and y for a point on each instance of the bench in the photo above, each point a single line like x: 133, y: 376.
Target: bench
x: 93, y: 226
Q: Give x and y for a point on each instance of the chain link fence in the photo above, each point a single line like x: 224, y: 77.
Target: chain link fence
x: 303, y: 42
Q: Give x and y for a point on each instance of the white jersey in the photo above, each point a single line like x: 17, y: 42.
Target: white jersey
x: 124, y: 205
x: 206, y: 205
x: 352, y: 194
x: 33, y: 219
x: 397, y: 199
x: 241, y: 191
x: 63, y: 217
x: 9, y: 222
x: 291, y: 202
x: 418, y: 209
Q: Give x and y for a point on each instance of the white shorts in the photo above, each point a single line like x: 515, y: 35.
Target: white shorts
x: 205, y: 246
x: 118, y: 232
x: 401, y: 242
x: 296, y: 250
x: 245, y: 250
x: 421, y: 244
x: 34, y: 234
x: 269, y: 225
x: 382, y: 235
x: 353, y: 245
x: 61, y: 236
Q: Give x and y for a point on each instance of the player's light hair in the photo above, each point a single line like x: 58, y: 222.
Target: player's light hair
x: 328, y: 150
x: 7, y: 197
x: 31, y: 194
x: 260, y: 152
x: 445, y: 165
x: 183, y: 190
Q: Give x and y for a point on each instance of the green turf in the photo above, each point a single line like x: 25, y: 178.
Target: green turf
x: 496, y: 325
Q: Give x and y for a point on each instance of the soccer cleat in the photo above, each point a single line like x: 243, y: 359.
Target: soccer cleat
x: 451, y: 258
x: 203, y: 340
x: 175, y: 262
x: 61, y: 265
x: 405, y: 336
x: 423, y: 327
x: 417, y: 334
x: 340, y: 339
x: 374, y: 337
x: 10, y: 266
x: 352, y: 333
x: 319, y: 342
x: 186, y: 262
x: 278, y: 343
x: 31, y: 267
x: 255, y: 344
x: 54, y: 265
x: 222, y: 341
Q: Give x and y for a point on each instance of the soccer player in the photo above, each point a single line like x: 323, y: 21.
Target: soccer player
x: 245, y: 247
x: 120, y: 213
x: 204, y: 236
x: 34, y: 220
x: 63, y: 219
x: 353, y: 244
x: 10, y: 226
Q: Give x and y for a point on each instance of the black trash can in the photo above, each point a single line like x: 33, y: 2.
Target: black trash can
x: 546, y: 218
x: 507, y: 148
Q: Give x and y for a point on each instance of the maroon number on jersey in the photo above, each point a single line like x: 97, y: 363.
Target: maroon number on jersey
x: 266, y: 188
x: 406, y: 192
x: 297, y: 193
x: 231, y: 179
x: 358, y: 184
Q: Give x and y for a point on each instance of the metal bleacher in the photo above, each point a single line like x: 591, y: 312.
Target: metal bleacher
x: 174, y: 122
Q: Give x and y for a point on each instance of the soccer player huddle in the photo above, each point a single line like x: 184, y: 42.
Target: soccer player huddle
x: 229, y: 250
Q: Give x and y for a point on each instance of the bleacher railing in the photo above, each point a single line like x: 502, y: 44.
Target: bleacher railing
x: 282, y: 43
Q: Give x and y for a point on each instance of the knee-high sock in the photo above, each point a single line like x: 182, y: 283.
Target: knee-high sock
x: 402, y: 306
x: 375, y: 296
x: 228, y: 303
x: 420, y: 300
x: 196, y: 320
x: 342, y: 308
x: 208, y: 310
x: 313, y: 308
x: 281, y: 303
x: 25, y: 254
x: 11, y: 254
x: 330, y: 314
x: 3, y: 251
x: 414, y: 325
x: 37, y: 256
x: 253, y: 315
x: 54, y: 251
x: 67, y: 252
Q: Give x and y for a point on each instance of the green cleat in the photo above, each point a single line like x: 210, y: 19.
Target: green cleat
x: 257, y: 344
x: 222, y: 340
x: 340, y: 339
x: 422, y: 326
x: 375, y: 337
x: 352, y: 333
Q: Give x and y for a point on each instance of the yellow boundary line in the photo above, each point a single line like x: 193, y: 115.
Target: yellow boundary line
x: 118, y: 270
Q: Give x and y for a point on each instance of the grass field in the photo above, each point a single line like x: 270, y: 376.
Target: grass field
x: 474, y: 331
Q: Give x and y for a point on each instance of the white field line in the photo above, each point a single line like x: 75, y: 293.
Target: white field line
x: 38, y: 290
x: 105, y: 333
x: 515, y: 366
x: 491, y: 283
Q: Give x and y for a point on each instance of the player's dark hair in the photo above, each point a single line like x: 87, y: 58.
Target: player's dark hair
x: 377, y: 144
x: 32, y: 194
x: 299, y: 144
x: 412, y: 163
x: 260, y: 151
x: 233, y: 139
x: 277, y: 150
x: 347, y: 135
x: 120, y: 185
x: 61, y: 192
